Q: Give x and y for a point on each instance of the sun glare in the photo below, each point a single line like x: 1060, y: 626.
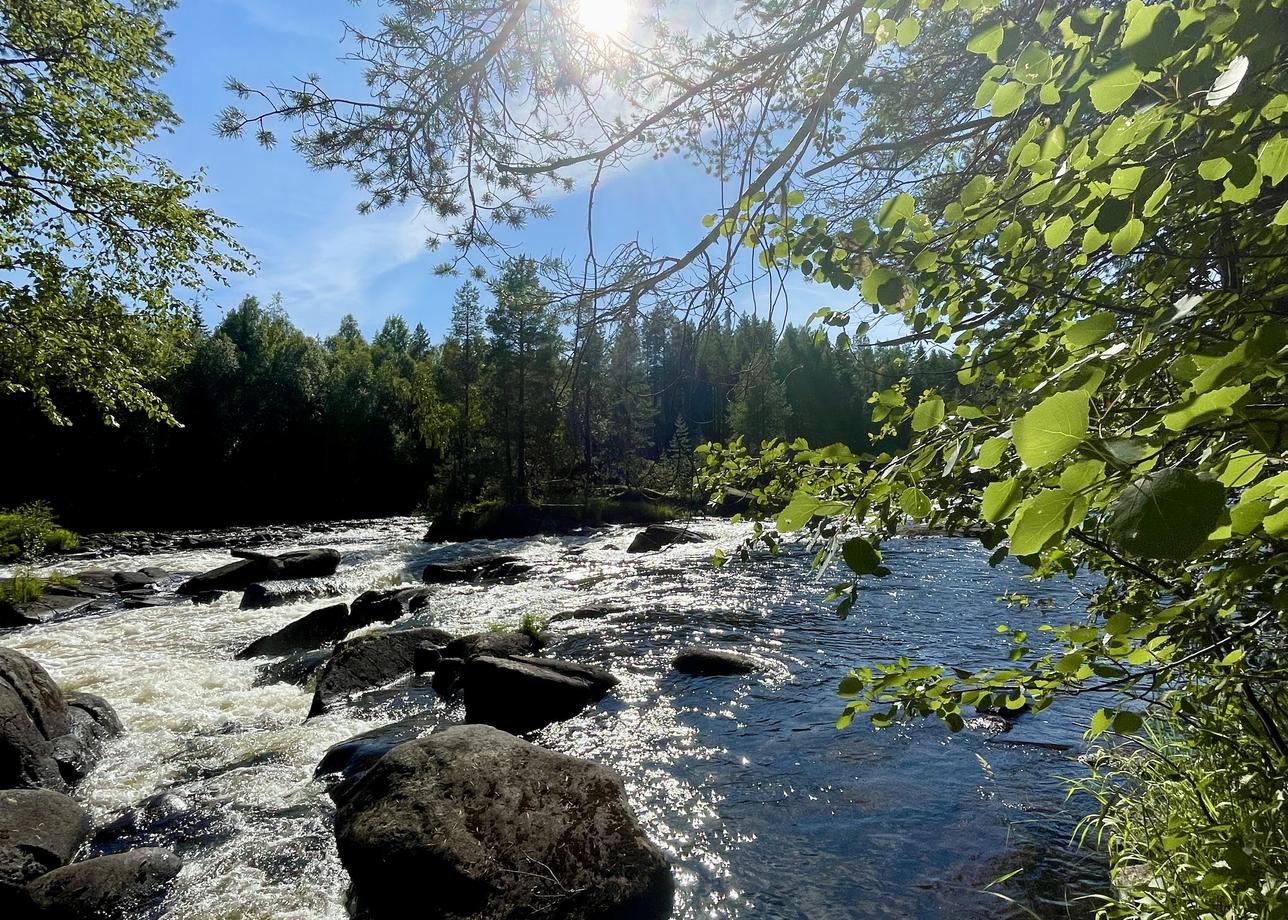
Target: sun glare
x: 604, y: 17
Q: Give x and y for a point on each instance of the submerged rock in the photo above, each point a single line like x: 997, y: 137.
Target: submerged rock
x: 659, y: 536
x: 163, y: 818
x: 386, y: 605
x: 297, y: 668
x: 322, y: 626
x: 369, y: 661
x: 497, y: 829
x: 521, y: 695
x: 115, y: 886
x: 480, y: 568
x: 709, y: 662
x: 259, y: 596
x: 593, y: 612
x: 40, y: 830
x: 256, y: 567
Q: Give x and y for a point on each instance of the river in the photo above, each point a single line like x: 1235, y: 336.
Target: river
x: 764, y: 808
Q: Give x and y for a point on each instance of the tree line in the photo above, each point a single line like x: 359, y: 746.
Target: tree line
x: 512, y: 405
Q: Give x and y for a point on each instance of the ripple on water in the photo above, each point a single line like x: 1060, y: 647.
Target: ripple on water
x: 765, y: 810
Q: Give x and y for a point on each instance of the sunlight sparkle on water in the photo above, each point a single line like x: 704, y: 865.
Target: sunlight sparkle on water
x: 604, y: 17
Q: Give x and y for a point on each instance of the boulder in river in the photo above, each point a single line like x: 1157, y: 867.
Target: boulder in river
x: 347, y: 761
x: 384, y: 605
x: 116, y: 886
x: 659, y: 536
x: 274, y: 594
x: 322, y: 626
x: 500, y: 644
x: 257, y: 567
x: 447, y: 676
x: 709, y: 662
x: 161, y: 819
x: 40, y: 830
x: 521, y: 695
x: 369, y: 661
x: 33, y: 713
x: 479, y: 568
x: 297, y: 668
x: 476, y: 824
x: 592, y: 612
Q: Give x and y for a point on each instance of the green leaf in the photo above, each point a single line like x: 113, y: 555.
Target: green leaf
x: 1033, y: 66
x: 907, y: 32
x: 1128, y: 237
x: 795, y: 197
x: 1273, y: 158
x: 991, y: 451
x: 1167, y: 514
x: 1212, y: 404
x: 1127, y: 723
x: 915, y: 503
x: 928, y: 414
x: 1214, y: 169
x: 974, y: 190
x: 1042, y: 517
x: 900, y: 207
x: 1008, y: 98
x: 1000, y: 500
x: 1052, y: 428
x: 1087, y: 332
x: 1281, y: 216
x: 861, y: 556
x: 798, y: 512
x: 1110, y: 90
x: 1058, y: 231
x: 987, y: 41
x: 1100, y: 722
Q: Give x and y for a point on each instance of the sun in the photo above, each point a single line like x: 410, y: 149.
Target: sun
x: 604, y: 17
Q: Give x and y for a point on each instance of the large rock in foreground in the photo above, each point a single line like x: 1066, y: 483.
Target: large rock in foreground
x: 369, y: 661
x: 40, y: 830
x: 660, y: 536
x: 33, y: 714
x: 524, y: 694
x: 256, y: 567
x: 480, y: 568
x: 115, y: 886
x: 471, y: 823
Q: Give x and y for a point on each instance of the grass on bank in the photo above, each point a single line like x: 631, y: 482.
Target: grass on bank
x: 30, y: 531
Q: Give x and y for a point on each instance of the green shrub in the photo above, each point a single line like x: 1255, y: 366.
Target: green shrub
x: 21, y: 589
x: 531, y: 625
x: 29, y: 531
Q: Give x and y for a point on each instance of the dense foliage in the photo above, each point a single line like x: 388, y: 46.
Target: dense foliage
x: 277, y: 424
x: 98, y: 238
x: 30, y: 531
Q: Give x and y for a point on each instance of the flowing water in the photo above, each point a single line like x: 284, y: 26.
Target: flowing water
x: 764, y: 808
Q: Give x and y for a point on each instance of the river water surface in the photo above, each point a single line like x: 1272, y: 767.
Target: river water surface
x: 764, y: 808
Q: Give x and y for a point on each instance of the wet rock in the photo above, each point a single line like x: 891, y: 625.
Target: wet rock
x: 387, y: 605
x: 322, y: 626
x: 593, y: 612
x: 659, y: 536
x: 49, y: 605
x: 40, y: 830
x: 206, y: 598
x: 257, y: 567
x: 348, y: 760
x: 500, y: 829
x: 447, y: 677
x: 164, y: 818
x: 99, y: 709
x: 369, y: 661
x: 480, y: 568
x: 426, y: 658
x: 260, y: 596
x: 709, y: 662
x: 78, y: 751
x: 297, y: 668
x: 501, y: 644
x: 521, y: 695
x: 104, y: 887
x: 33, y: 713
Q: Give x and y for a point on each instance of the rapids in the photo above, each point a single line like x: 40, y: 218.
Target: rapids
x: 765, y: 809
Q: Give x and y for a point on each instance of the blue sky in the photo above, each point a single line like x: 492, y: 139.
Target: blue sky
x: 313, y: 247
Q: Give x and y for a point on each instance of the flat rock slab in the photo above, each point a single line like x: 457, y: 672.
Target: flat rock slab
x: 240, y: 574
x: 480, y: 568
x: 521, y: 695
x: 709, y: 662
x: 115, y: 886
x: 659, y: 536
x: 471, y: 823
x: 369, y: 661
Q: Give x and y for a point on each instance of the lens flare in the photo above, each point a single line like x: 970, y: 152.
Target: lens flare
x: 604, y: 17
